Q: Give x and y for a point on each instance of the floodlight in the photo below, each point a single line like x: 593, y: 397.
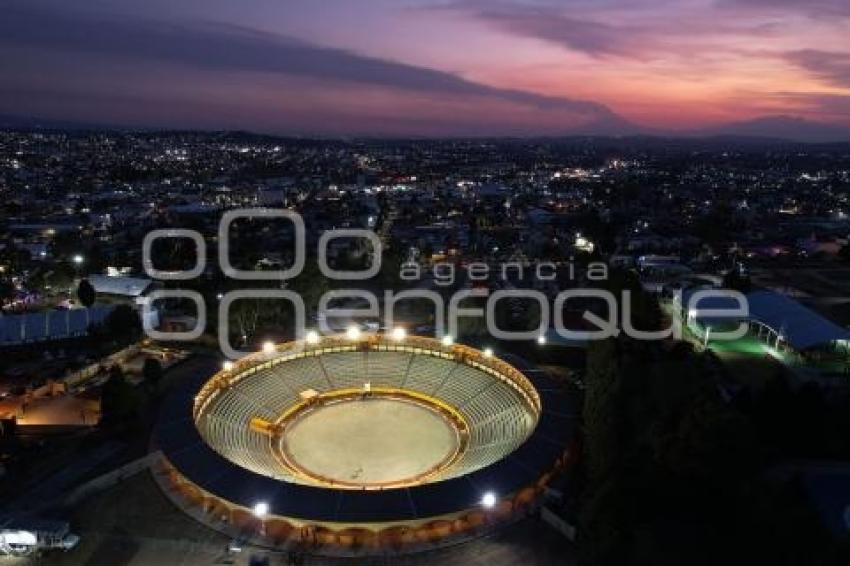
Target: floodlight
x: 353, y: 332
x: 261, y: 509
x: 488, y: 500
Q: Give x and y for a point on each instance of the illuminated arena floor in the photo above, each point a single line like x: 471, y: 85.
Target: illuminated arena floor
x: 370, y: 441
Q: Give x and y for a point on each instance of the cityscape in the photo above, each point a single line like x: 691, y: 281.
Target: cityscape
x: 283, y: 283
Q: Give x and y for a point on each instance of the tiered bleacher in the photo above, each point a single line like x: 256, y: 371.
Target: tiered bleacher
x: 498, y: 419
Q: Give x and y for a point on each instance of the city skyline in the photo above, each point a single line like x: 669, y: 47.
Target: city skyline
x: 433, y: 68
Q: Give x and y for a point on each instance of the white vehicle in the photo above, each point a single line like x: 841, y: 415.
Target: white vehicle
x: 17, y: 543
x: 25, y: 536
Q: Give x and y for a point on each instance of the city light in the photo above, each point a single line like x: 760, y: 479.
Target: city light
x: 261, y: 509
x: 353, y: 333
x: 78, y: 259
x: 583, y: 244
x: 447, y: 340
x: 399, y: 334
x: 312, y: 337
x: 268, y: 347
x: 488, y: 501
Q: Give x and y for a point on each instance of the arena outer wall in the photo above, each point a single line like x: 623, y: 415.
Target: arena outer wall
x: 225, y: 494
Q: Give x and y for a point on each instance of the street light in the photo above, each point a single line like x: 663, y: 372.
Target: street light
x: 353, y: 333
x: 399, y: 333
x: 488, y: 501
x: 312, y: 337
x: 488, y: 352
x: 268, y: 347
x: 227, y: 365
x: 261, y: 509
x: 78, y: 259
x: 541, y: 339
x: 447, y: 340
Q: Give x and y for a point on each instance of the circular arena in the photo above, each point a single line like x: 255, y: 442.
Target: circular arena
x: 363, y: 442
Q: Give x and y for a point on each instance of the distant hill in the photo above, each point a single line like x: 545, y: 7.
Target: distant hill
x: 755, y: 131
x: 781, y: 127
x: 10, y: 121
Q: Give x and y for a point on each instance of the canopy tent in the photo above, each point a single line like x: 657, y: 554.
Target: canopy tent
x: 799, y: 326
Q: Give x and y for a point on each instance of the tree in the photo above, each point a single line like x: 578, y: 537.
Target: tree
x: 736, y: 281
x: 645, y: 311
x: 712, y: 443
x: 87, y: 296
x: 391, y: 262
x: 60, y: 276
x: 172, y: 254
x: 311, y: 284
x: 601, y: 411
x: 675, y: 472
x: 123, y: 323
x: 603, y: 532
x: 152, y: 372
x: 119, y: 401
x: 7, y: 291
x: 245, y: 317
x: 15, y: 257
x: 86, y: 293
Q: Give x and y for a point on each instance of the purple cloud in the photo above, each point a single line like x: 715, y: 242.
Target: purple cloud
x: 593, y: 33
x: 577, y: 34
x: 831, y: 67
x: 813, y: 8
x: 818, y: 103
x: 552, y: 25
x: 219, y: 47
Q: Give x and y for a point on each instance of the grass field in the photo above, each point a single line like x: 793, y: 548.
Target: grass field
x: 749, y: 361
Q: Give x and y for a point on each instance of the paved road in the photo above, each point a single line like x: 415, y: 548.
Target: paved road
x: 133, y: 523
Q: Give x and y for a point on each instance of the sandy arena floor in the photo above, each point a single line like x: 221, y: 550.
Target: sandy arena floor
x: 370, y: 441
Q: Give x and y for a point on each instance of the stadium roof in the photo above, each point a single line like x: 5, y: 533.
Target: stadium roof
x: 123, y: 286
x: 800, y: 326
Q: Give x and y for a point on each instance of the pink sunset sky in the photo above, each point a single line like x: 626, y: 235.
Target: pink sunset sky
x: 415, y: 67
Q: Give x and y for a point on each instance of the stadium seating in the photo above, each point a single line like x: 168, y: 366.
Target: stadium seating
x: 499, y: 421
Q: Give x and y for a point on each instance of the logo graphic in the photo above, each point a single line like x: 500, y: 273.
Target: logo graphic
x: 446, y: 320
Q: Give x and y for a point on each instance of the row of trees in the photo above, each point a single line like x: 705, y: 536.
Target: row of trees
x: 673, y: 474
x: 122, y: 404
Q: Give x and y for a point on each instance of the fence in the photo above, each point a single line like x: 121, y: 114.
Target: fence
x: 50, y: 325
x: 76, y: 378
